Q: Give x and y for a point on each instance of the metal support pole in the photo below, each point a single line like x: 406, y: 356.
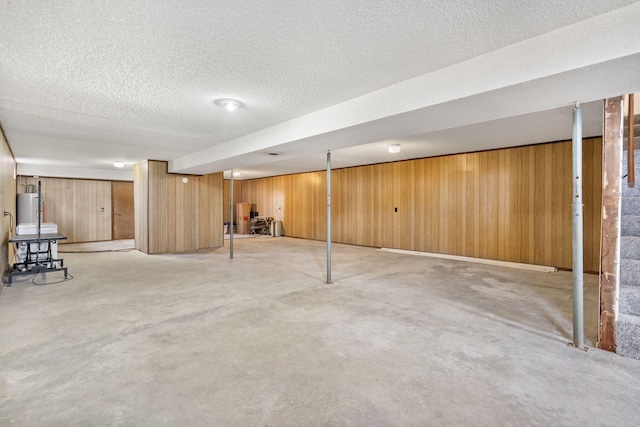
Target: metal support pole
x: 328, y: 216
x: 631, y: 167
x: 231, y: 217
x: 577, y: 239
x: 39, y: 211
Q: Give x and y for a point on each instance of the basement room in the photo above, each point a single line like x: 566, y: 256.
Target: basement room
x: 302, y: 213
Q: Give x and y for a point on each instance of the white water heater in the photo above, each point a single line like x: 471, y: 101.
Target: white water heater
x: 27, y: 208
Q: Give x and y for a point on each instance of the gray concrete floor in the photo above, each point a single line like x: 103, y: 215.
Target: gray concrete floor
x: 261, y: 340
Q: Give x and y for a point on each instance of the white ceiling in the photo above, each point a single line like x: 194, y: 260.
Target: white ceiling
x: 84, y: 83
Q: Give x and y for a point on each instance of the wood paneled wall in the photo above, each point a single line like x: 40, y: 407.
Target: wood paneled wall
x: 511, y: 204
x: 210, y: 219
x: 172, y: 211
x: 141, y: 205
x: 8, y: 201
x: 237, y: 196
x: 172, y: 216
x: 80, y: 207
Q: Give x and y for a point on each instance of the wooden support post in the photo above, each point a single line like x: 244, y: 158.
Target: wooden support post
x: 610, y: 228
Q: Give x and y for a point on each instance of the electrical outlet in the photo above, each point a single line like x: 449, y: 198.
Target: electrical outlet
x: 7, y: 213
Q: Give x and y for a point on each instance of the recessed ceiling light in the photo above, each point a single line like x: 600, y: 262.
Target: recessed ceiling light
x: 394, y: 148
x: 229, y: 104
x: 274, y: 153
x: 118, y: 164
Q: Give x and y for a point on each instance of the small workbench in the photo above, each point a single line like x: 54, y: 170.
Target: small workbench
x: 39, y: 261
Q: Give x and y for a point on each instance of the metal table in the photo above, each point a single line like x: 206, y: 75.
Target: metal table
x: 37, y: 261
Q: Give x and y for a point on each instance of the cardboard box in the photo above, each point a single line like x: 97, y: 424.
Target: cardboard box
x: 243, y: 213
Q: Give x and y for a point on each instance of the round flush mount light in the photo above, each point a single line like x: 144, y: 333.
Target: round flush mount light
x: 118, y: 164
x: 229, y: 104
x: 394, y: 148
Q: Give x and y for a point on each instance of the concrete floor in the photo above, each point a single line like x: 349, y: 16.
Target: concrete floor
x: 261, y: 340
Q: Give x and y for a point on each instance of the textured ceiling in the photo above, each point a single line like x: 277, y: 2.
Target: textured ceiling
x: 84, y: 83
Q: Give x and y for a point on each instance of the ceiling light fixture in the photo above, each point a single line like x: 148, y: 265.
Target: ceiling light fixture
x: 236, y: 173
x: 118, y: 164
x: 394, y: 148
x: 229, y: 104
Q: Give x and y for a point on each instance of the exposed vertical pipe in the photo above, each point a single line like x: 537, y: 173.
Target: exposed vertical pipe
x: 631, y: 167
x: 39, y: 211
x: 231, y: 217
x: 328, y: 216
x: 577, y: 241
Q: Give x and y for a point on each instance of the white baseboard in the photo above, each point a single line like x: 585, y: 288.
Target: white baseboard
x: 542, y: 268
